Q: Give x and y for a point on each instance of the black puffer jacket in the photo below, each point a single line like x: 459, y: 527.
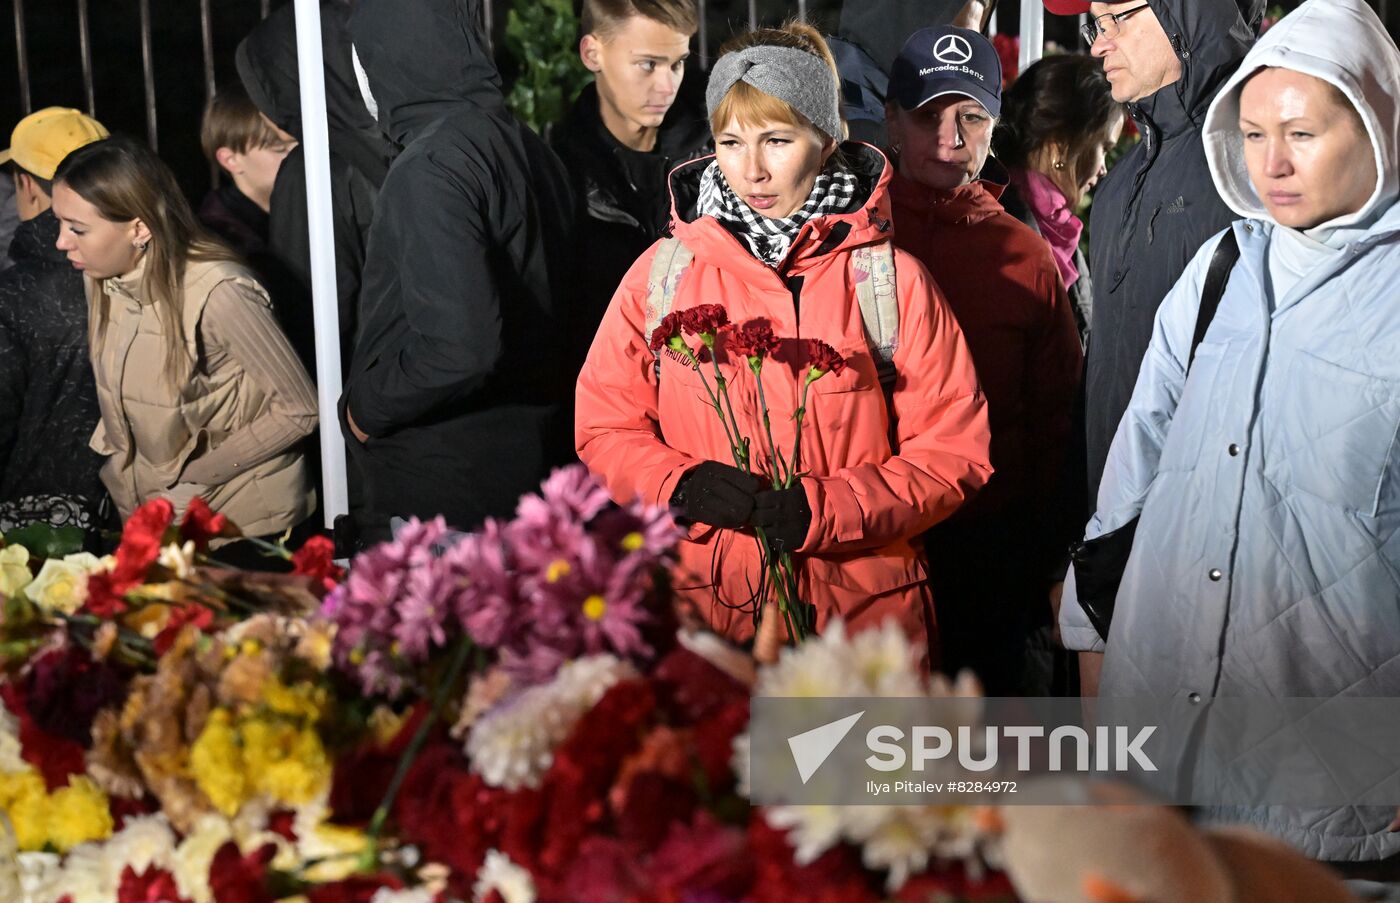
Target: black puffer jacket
x: 360, y: 157
x: 1156, y: 208
x: 457, y: 373
x: 620, y: 215
x: 48, y: 404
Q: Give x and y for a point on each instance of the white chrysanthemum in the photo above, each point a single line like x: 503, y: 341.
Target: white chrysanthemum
x: 512, y: 746
x: 415, y: 895
x: 818, y: 668
x: 812, y: 830
x: 85, y: 877
x: 178, y: 559
x: 142, y: 842
x: 498, y: 873
x: 39, y: 874
x: 194, y: 856
x: 896, y: 839
x: 884, y: 661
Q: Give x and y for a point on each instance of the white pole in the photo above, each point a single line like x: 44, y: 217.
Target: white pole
x: 315, y: 142
x: 1032, y: 32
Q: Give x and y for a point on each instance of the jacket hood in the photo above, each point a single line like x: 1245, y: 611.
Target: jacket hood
x: 267, y: 65
x: 1210, y: 38
x: 425, y: 60
x: 867, y: 223
x: 1343, y: 43
x: 880, y: 28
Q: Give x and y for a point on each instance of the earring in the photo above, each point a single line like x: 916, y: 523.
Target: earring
x: 1059, y: 164
x: 140, y: 246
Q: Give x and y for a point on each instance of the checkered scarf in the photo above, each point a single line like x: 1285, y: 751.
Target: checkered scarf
x: 769, y: 239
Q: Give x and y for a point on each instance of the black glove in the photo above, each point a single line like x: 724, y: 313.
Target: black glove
x: 784, y: 517
x: 716, y: 494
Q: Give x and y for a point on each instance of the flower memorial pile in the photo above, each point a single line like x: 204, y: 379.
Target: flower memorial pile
x: 511, y: 715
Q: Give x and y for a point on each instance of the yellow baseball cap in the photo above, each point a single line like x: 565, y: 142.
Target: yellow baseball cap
x: 43, y: 138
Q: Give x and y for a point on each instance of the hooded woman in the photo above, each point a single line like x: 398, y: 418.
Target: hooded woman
x: 1267, y: 485
x: 774, y: 222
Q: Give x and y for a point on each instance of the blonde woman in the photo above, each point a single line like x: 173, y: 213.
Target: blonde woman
x: 773, y: 220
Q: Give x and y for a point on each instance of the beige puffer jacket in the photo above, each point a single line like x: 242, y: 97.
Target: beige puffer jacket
x: 229, y: 432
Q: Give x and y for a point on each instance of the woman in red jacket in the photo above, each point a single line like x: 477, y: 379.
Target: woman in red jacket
x: 991, y: 566
x: 773, y: 221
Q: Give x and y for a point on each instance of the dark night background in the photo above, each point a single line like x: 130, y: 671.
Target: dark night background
x: 55, y: 68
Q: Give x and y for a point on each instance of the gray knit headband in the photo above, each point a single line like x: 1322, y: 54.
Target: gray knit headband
x: 799, y: 79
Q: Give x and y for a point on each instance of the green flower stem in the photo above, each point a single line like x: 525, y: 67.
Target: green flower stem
x: 370, y: 857
x: 723, y: 385
x: 777, y: 581
x: 737, y: 447
x: 798, y: 416
x: 782, y: 474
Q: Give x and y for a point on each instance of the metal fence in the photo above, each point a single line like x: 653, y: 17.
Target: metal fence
x: 717, y: 19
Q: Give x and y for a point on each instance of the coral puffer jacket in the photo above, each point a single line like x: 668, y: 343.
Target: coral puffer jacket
x: 872, y: 489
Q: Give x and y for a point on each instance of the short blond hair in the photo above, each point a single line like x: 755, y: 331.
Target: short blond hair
x: 604, y: 17
x: 746, y: 104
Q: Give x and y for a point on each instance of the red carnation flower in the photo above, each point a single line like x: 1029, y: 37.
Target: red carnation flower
x: 154, y: 885
x: 142, y: 537
x: 235, y: 878
x: 704, y: 320
x: 822, y: 359
x: 316, y: 559
x: 192, y: 613
x: 753, y: 339
x: 670, y: 328
x: 201, y: 524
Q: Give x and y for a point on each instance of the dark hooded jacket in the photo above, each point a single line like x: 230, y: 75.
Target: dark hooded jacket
x: 870, y: 36
x: 48, y: 403
x: 359, y: 160
x: 623, y: 204
x: 1156, y: 207
x: 457, y: 372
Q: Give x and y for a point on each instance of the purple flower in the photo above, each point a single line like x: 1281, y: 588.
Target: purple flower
x: 573, y: 491
x: 391, y: 609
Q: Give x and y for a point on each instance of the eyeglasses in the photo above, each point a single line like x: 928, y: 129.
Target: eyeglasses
x: 1097, y: 26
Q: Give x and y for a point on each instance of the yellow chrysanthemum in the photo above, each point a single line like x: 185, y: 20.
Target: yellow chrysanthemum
x: 283, y: 761
x: 23, y: 799
x: 77, y: 814
x: 216, y: 764
x: 301, y: 700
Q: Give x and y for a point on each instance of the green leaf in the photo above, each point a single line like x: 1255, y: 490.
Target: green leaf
x: 45, y: 541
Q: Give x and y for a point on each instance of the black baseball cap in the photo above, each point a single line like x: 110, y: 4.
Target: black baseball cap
x: 946, y: 60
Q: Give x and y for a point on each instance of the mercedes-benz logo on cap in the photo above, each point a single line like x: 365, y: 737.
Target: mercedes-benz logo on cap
x: 952, y: 49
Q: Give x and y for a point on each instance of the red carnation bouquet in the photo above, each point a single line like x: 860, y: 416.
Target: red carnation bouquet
x: 754, y: 342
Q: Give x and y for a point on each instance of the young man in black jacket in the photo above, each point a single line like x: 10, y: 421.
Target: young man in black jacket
x: 48, y: 402
x: 457, y: 384
x: 625, y: 133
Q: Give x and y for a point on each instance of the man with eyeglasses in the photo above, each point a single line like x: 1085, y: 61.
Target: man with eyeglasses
x: 1165, y: 59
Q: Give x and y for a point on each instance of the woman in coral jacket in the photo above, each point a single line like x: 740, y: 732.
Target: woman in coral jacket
x: 772, y: 221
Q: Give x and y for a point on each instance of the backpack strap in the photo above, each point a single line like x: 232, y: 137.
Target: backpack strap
x: 1222, y: 262
x: 670, y: 262
x: 879, y: 307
